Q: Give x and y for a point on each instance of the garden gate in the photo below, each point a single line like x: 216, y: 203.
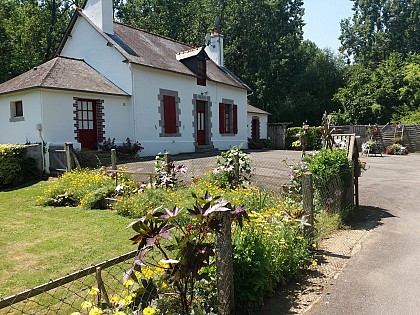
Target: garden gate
x: 62, y: 159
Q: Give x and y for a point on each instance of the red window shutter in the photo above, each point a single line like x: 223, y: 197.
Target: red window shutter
x: 221, y: 118
x: 169, y: 112
x: 235, y: 119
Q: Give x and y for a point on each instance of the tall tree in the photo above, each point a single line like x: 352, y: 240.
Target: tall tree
x: 31, y: 31
x: 319, y: 77
x: 372, y: 96
x: 261, y: 37
x: 379, y: 27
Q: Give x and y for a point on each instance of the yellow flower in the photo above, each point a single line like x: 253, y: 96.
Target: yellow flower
x: 127, y: 300
x: 115, y: 299
x: 119, y: 313
x: 128, y: 283
x: 95, y: 311
x: 86, y: 304
x: 314, y: 263
x: 147, y: 272
x: 93, y: 291
x: 164, y: 285
x: 314, y: 245
x: 149, y: 311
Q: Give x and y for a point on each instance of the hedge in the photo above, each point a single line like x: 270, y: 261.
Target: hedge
x: 15, y: 167
x: 313, y: 134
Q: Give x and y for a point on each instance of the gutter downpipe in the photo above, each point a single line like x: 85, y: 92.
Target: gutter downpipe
x: 133, y: 100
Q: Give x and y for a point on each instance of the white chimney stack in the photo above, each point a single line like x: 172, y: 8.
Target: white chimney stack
x: 101, y: 13
x: 214, y: 47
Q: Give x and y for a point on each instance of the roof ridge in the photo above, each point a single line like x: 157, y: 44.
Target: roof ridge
x: 70, y: 58
x: 49, y: 70
x: 155, y: 34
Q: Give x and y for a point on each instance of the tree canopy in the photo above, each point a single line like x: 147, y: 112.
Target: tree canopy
x: 292, y: 79
x: 30, y: 31
x: 379, y: 27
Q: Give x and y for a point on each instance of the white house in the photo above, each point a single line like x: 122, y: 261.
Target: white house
x: 257, y: 123
x: 111, y: 80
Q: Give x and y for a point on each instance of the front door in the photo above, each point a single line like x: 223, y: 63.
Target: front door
x: 201, y: 122
x: 87, y: 128
x: 255, y: 128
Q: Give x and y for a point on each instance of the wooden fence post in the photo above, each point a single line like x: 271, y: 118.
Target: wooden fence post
x: 102, y: 290
x: 351, y: 202
x: 68, y: 146
x: 236, y: 169
x: 113, y: 159
x: 224, y: 267
x: 356, y: 184
x: 308, y: 200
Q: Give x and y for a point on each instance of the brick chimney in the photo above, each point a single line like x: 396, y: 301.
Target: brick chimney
x: 101, y: 13
x: 214, y: 47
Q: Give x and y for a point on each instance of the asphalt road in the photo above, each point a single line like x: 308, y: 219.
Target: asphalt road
x: 384, y: 276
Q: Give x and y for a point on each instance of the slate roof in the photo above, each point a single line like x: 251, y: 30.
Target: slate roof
x: 256, y: 110
x: 151, y: 50
x: 62, y: 73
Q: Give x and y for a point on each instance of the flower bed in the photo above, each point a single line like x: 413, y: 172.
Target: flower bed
x: 396, y: 149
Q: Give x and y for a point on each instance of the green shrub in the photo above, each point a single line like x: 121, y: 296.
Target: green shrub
x: 15, y: 167
x: 292, y: 135
x: 260, y: 144
x: 128, y: 147
x: 85, y: 188
x: 265, y: 258
x: 331, y: 176
x: 313, y: 135
x: 224, y: 173
x: 268, y: 251
x: 328, y: 162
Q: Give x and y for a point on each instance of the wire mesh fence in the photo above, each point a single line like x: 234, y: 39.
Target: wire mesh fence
x: 67, y: 294
x: 332, y: 193
x: 268, y: 169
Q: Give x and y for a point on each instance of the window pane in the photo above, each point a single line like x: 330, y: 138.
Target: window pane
x: 90, y: 125
x: 80, y: 124
x: 79, y: 105
x: 18, y: 109
x: 90, y: 115
x: 84, y: 115
x: 84, y: 105
x: 89, y: 106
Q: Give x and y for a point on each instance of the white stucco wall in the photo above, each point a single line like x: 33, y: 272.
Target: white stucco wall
x: 88, y: 44
x: 239, y: 97
x: 263, y: 125
x: 20, y: 131
x: 58, y: 117
x: 147, y: 83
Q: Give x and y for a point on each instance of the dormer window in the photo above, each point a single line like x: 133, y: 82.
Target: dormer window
x: 201, y: 71
x: 195, y: 60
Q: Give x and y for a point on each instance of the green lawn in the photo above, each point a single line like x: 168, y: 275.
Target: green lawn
x: 42, y: 243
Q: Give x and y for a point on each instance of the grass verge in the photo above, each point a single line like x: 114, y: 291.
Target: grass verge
x: 42, y: 243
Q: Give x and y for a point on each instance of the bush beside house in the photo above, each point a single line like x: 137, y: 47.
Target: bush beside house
x: 313, y: 138
x: 15, y: 166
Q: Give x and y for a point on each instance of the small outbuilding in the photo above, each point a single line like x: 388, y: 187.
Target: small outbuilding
x: 257, y: 123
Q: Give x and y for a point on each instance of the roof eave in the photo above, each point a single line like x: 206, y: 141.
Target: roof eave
x: 63, y: 89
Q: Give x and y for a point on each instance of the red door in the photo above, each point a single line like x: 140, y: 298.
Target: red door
x: 255, y: 128
x: 201, y: 123
x: 86, y: 115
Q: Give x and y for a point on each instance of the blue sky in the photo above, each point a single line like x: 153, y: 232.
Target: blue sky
x: 322, y: 18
